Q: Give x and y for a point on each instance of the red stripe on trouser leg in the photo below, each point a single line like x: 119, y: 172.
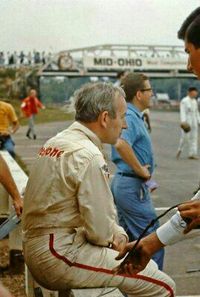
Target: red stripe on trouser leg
x: 104, y: 270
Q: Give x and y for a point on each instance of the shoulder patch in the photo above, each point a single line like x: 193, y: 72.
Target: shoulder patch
x: 105, y: 170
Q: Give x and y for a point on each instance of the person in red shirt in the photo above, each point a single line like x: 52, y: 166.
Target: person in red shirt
x: 30, y: 106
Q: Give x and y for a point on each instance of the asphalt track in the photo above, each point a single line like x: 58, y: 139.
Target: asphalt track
x: 177, y: 180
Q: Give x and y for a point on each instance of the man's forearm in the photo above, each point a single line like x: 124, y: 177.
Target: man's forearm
x: 15, y: 127
x: 136, y: 261
x: 128, y: 156
x: 7, y: 180
x: 151, y: 244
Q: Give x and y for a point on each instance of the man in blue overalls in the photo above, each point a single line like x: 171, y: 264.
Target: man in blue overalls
x: 133, y: 156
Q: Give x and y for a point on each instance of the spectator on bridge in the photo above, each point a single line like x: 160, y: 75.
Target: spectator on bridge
x: 36, y: 57
x: 30, y: 107
x: 43, y: 58
x: 190, y: 118
x: 15, y: 58
x: 71, y: 235
x: 8, y: 125
x: 188, y: 216
x: 11, y: 59
x: 49, y: 57
x: 2, y: 58
x: 29, y: 58
x: 133, y: 156
x: 21, y: 57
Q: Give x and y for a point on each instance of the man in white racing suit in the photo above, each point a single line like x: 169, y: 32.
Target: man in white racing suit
x: 70, y: 234
x: 189, y: 114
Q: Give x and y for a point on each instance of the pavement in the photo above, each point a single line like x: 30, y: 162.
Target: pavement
x: 177, y: 180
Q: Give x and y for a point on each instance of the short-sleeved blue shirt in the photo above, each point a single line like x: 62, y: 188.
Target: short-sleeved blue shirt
x: 137, y: 136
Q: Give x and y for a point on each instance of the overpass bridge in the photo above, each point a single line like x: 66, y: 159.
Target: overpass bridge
x: 157, y: 61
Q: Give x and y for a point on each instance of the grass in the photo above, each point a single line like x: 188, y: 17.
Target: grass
x: 49, y: 114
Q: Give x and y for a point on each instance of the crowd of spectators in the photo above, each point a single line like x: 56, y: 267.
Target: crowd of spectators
x: 21, y: 58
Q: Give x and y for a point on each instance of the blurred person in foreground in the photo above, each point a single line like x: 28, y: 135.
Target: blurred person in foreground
x: 7, y: 181
x: 9, y: 124
x: 29, y: 108
x: 70, y: 230
x: 188, y: 215
x: 190, y: 119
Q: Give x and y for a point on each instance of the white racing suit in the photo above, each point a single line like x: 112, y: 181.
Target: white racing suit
x: 69, y: 220
x: 189, y: 113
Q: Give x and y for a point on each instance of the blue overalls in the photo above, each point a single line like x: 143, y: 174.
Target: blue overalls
x: 131, y: 194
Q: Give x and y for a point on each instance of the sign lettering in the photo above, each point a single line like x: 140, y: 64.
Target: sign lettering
x: 144, y: 63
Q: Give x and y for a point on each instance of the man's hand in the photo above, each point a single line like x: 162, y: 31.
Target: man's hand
x: 119, y: 242
x: 185, y: 126
x: 137, y: 261
x: 194, y: 223
x: 18, y: 205
x: 134, y: 263
x: 144, y: 172
x: 190, y: 212
x: 128, y: 155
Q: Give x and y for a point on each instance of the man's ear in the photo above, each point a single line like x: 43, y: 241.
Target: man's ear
x: 103, y: 119
x: 138, y: 95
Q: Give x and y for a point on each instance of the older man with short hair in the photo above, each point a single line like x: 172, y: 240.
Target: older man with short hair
x: 70, y: 230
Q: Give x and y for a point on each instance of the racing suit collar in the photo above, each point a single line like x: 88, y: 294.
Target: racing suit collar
x: 91, y: 135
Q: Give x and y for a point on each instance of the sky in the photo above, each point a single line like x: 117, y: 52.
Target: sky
x: 56, y: 25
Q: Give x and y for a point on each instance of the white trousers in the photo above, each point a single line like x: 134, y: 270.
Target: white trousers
x: 191, y: 139
x: 31, y: 124
x: 58, y: 262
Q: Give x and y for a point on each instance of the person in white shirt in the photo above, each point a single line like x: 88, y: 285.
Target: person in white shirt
x: 189, y: 115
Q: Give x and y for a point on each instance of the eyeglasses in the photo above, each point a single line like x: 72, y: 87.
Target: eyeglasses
x: 147, y: 89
